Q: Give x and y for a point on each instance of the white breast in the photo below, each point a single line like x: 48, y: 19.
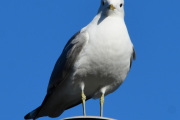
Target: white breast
x: 106, y: 56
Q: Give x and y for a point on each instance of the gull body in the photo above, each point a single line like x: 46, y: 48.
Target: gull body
x: 96, y: 60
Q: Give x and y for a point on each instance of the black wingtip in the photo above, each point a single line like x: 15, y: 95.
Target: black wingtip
x: 33, y: 114
x: 26, y: 117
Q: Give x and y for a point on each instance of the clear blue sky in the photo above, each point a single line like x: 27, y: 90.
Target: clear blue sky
x: 34, y: 32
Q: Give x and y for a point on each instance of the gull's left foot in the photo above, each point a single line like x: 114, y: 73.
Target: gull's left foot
x: 102, y: 102
x: 83, y: 100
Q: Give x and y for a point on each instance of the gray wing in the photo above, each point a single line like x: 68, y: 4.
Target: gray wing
x: 62, y: 68
x: 67, y: 59
x: 133, y: 57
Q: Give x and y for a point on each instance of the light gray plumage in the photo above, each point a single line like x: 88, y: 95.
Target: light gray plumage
x: 98, y: 58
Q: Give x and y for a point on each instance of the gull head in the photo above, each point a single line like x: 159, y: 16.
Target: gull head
x: 112, y: 7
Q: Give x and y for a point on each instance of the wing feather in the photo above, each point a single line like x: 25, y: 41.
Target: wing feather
x: 67, y: 59
x: 133, y: 57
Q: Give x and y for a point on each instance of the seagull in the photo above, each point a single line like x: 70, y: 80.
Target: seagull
x: 93, y: 64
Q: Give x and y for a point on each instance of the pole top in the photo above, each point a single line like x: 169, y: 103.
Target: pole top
x: 87, y: 118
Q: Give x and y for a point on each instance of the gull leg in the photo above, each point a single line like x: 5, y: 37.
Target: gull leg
x: 102, y: 102
x: 83, y: 100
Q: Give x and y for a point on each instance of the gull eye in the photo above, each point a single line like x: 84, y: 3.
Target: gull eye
x: 121, y: 5
x: 103, y: 3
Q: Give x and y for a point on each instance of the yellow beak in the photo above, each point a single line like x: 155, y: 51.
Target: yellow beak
x: 111, y: 7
